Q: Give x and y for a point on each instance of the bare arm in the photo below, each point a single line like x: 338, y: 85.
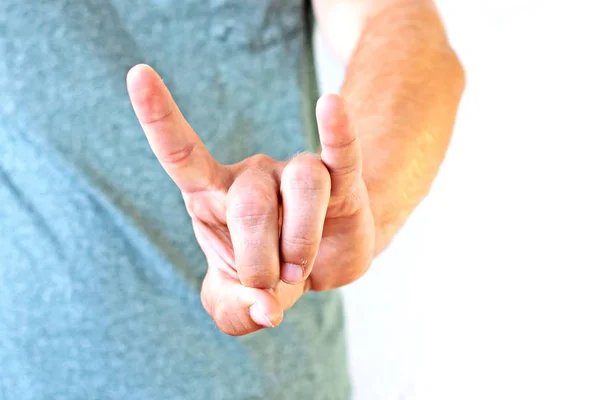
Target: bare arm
x: 402, y: 90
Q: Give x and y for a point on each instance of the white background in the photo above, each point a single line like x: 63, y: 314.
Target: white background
x: 492, y: 289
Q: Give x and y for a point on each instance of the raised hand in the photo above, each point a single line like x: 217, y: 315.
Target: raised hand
x: 270, y: 230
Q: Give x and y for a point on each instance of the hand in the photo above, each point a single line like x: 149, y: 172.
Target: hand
x: 270, y: 230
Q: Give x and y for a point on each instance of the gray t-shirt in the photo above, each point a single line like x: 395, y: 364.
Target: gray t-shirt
x: 100, y: 273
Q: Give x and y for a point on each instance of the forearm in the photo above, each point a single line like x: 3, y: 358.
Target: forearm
x: 402, y: 89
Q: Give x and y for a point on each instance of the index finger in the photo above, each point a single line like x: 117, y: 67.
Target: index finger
x: 175, y: 144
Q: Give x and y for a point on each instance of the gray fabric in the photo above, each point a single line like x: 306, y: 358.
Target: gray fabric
x: 99, y: 270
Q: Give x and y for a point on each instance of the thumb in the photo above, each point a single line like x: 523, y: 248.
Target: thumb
x: 340, y: 145
x: 237, y: 309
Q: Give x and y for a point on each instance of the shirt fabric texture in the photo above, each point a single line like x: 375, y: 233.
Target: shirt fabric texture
x: 100, y: 273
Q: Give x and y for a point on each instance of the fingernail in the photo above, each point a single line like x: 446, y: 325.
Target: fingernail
x: 292, y: 274
x: 259, y: 316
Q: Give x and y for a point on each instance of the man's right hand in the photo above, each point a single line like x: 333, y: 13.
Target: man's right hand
x: 264, y: 224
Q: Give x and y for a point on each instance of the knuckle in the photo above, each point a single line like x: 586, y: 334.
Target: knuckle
x: 306, y: 160
x: 348, y: 170
x: 306, y: 171
x: 253, y: 206
x: 345, y: 145
x: 300, y: 249
x: 260, y: 161
x: 251, y: 213
x: 302, y: 244
x: 178, y: 157
x: 154, y: 118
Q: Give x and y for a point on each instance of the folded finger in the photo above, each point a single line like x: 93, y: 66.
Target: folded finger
x: 253, y: 221
x: 305, y: 191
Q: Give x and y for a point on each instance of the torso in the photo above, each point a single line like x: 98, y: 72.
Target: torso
x: 99, y: 270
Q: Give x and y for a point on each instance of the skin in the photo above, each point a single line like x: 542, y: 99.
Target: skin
x: 272, y: 230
